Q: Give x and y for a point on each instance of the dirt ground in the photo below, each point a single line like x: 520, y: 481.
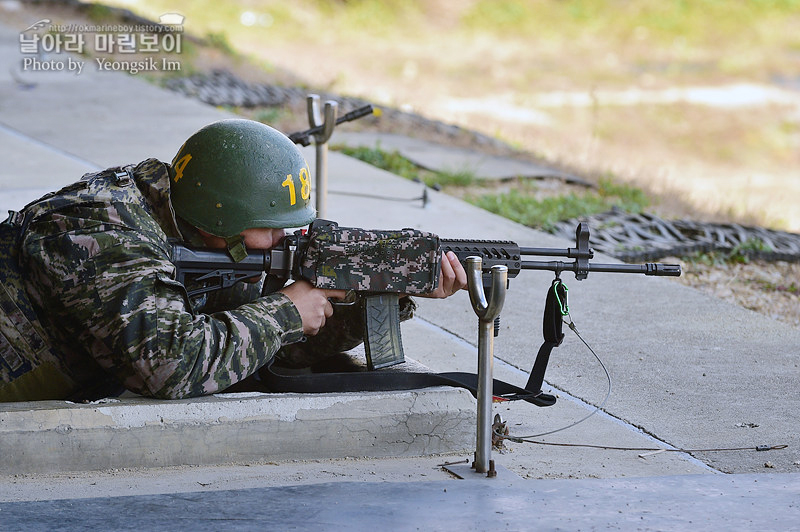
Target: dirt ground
x: 772, y: 289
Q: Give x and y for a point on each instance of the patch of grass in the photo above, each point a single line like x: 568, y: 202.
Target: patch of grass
x: 270, y: 115
x: 391, y: 161
x: 792, y: 288
x: 219, y: 40
x: 705, y: 258
x: 622, y: 195
x: 741, y: 254
x: 789, y: 287
x: 523, y: 207
x: 744, y: 251
x: 98, y: 12
x: 520, y: 204
x: 452, y: 178
x: 394, y: 162
x: 533, y: 212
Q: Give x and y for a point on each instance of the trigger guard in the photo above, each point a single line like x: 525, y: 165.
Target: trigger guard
x: 350, y: 299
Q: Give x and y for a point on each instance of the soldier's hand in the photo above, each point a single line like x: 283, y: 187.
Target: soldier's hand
x: 312, y: 304
x: 452, y: 279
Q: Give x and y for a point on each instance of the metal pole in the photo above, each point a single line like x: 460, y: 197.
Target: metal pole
x: 487, y: 312
x: 322, y: 179
x: 483, y: 449
x: 315, y: 119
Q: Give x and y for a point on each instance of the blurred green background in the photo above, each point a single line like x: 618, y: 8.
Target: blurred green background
x: 695, y: 101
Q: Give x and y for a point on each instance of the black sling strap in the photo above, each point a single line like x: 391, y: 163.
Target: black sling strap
x: 381, y: 381
x: 373, y: 381
x: 552, y: 325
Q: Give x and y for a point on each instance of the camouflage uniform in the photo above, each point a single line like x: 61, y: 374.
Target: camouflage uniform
x: 99, y: 275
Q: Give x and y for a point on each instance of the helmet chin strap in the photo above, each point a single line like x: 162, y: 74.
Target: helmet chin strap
x: 236, y: 247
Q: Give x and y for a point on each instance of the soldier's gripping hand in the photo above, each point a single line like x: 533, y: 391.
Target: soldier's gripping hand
x: 312, y: 304
x: 453, y: 277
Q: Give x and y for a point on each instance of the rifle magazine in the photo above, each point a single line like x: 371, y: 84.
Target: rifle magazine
x: 383, y: 343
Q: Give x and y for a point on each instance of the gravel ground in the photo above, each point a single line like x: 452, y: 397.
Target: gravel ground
x: 771, y: 288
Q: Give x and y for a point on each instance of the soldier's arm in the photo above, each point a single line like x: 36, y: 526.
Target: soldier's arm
x: 114, y: 293
x: 343, y: 331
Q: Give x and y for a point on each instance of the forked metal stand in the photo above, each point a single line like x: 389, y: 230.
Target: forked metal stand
x: 327, y: 123
x: 487, y: 311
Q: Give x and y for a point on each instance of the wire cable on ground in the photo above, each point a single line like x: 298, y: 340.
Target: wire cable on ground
x: 647, y: 450
x: 574, y: 329
x: 653, y: 450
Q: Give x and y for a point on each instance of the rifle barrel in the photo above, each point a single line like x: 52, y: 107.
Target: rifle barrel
x: 649, y: 268
x: 572, y: 253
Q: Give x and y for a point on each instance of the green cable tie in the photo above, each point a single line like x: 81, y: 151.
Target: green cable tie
x: 563, y: 306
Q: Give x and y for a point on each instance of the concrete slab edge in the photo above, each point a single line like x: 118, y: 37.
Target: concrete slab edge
x: 47, y: 437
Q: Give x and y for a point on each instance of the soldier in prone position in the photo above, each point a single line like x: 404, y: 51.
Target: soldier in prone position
x: 95, y: 263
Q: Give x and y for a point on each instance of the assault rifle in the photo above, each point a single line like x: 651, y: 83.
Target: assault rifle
x: 382, y: 265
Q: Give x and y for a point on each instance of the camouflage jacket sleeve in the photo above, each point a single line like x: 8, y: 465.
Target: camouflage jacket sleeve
x: 343, y: 331
x: 102, y: 278
x: 120, y: 303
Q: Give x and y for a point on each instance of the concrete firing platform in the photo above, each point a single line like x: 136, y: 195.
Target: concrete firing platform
x: 56, y: 436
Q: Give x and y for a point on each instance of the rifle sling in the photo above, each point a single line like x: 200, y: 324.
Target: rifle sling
x: 552, y: 326
x: 379, y: 381
x: 373, y: 381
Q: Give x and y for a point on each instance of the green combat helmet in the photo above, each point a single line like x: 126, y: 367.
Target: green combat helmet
x: 239, y: 174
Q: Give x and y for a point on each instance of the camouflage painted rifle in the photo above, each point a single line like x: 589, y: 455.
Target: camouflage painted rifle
x: 380, y: 266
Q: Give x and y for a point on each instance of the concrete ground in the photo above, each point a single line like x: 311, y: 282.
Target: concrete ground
x: 453, y: 160
x: 687, y: 372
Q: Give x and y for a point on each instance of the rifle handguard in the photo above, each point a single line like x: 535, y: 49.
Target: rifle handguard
x: 406, y: 261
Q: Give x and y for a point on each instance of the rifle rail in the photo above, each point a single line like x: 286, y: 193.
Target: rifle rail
x: 509, y: 254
